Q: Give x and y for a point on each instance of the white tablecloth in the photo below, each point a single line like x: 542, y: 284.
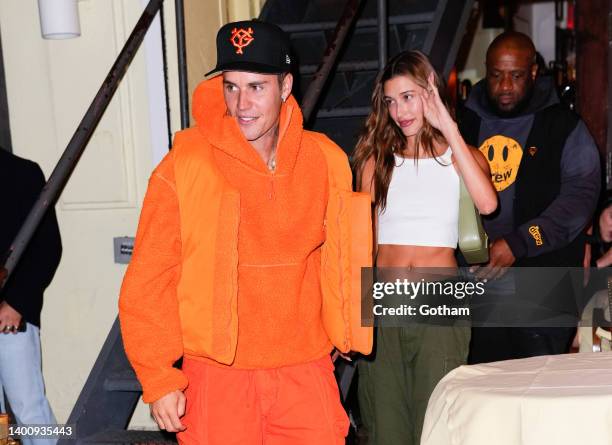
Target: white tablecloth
x: 561, y: 399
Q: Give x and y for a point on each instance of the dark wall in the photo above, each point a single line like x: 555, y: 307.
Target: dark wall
x: 592, y: 67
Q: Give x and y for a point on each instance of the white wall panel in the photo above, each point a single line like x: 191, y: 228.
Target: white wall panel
x: 108, y: 160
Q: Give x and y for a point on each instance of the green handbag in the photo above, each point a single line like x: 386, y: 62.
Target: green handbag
x: 473, y: 240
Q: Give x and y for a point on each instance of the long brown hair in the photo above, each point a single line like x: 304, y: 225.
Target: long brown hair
x: 381, y: 137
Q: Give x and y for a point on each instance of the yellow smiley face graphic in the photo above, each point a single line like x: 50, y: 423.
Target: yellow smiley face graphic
x: 504, y: 155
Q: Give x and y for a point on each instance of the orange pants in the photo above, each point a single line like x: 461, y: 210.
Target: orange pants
x: 292, y: 405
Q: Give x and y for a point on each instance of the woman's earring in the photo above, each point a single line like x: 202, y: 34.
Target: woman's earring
x: 284, y: 99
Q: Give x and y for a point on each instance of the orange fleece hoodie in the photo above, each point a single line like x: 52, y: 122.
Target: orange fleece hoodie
x: 268, y: 226
x: 279, y: 237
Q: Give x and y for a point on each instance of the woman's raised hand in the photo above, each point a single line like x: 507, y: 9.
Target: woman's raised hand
x: 434, y: 109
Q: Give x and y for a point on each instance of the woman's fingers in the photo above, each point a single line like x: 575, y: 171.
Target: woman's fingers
x: 433, y: 88
x: 432, y: 84
x: 424, y: 103
x: 426, y: 107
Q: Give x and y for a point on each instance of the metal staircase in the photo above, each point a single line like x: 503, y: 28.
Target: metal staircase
x: 434, y: 27
x: 111, y: 392
x: 108, y: 399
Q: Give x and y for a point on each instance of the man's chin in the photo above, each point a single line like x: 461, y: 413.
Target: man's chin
x: 507, y: 107
x: 506, y: 110
x: 250, y: 134
x: 511, y: 109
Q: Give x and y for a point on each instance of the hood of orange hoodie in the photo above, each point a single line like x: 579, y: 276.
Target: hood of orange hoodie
x: 223, y: 132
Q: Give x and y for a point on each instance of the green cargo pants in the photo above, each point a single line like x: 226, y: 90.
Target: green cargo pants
x: 396, y: 381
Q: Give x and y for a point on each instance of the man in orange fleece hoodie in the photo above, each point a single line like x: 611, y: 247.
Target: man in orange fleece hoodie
x: 247, y: 262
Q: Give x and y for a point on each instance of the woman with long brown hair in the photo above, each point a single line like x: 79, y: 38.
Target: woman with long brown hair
x: 410, y: 158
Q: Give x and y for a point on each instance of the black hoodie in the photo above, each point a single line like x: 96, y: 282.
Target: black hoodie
x: 571, y: 211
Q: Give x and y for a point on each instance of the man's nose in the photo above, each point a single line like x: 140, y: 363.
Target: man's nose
x: 243, y: 101
x: 506, y: 83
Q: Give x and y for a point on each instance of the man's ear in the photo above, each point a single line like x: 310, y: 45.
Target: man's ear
x: 534, y: 71
x: 286, y: 86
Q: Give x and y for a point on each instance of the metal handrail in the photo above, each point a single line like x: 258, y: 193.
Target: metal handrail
x: 383, y: 21
x: 182, y: 62
x: 347, y: 20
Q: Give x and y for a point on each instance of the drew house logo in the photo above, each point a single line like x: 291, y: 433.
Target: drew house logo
x: 504, y: 155
x: 241, y: 38
x: 534, y: 231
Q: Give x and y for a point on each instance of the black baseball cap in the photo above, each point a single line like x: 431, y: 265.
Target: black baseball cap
x: 254, y: 46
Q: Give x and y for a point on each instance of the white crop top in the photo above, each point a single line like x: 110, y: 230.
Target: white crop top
x: 422, y: 203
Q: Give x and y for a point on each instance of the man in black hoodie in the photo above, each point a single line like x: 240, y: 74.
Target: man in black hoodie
x: 21, y: 298
x: 545, y: 167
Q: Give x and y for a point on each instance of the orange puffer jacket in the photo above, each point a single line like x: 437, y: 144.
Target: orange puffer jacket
x: 180, y: 293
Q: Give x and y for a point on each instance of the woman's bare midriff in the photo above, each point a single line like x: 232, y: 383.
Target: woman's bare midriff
x: 395, y: 255
x: 430, y: 263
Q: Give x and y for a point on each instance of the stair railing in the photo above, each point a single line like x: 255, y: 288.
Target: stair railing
x: 311, y: 97
x: 383, y: 30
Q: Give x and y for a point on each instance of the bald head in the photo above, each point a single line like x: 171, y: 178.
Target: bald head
x: 511, y: 72
x: 512, y: 41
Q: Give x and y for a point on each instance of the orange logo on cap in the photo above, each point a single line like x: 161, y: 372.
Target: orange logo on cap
x: 241, y: 38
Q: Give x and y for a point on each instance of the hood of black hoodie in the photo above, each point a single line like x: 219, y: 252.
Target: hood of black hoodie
x: 544, y: 95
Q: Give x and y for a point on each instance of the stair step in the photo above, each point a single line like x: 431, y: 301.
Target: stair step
x: 139, y: 437
x: 407, y: 19
x: 343, y: 112
x: 122, y: 381
x: 310, y: 47
x: 366, y: 65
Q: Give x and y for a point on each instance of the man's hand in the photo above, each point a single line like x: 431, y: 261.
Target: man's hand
x: 9, y: 319
x: 605, y: 224
x: 337, y: 354
x: 168, y: 410
x: 500, y: 258
x: 605, y: 260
